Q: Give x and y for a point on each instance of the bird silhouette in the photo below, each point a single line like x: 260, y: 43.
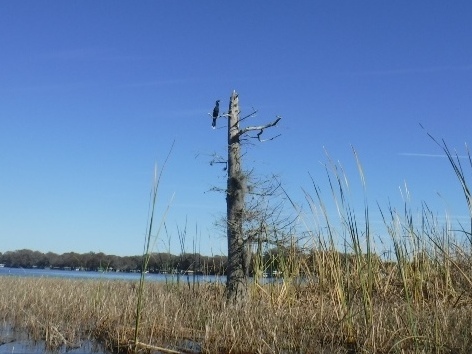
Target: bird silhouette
x: 216, y: 112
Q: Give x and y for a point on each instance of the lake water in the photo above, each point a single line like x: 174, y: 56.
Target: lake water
x: 73, y: 274
x: 18, y: 342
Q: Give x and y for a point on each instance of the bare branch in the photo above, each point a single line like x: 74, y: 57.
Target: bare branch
x: 222, y: 115
x: 225, y: 167
x: 260, y: 128
x: 262, y: 140
x: 254, y: 111
x: 218, y: 159
x: 217, y: 189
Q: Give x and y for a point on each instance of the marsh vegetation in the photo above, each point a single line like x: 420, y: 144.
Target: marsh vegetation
x: 352, y: 304
x: 415, y: 299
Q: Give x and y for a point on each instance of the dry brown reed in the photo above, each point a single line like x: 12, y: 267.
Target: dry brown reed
x: 282, y: 317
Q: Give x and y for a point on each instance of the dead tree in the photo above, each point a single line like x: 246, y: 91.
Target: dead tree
x: 236, y: 285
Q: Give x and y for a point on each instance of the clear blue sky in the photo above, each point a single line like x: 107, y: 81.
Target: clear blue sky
x: 93, y: 93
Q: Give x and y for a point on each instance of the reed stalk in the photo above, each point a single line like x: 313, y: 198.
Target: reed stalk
x: 149, y: 243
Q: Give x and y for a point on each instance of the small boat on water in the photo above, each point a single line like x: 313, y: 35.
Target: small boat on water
x: 2, y: 265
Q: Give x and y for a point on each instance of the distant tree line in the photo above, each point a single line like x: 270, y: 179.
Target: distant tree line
x: 267, y: 262
x: 276, y: 261
x: 159, y: 262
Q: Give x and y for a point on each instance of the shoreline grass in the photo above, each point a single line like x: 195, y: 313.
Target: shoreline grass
x: 406, y: 313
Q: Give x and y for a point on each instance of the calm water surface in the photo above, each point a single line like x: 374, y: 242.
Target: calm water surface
x: 18, y: 342
x: 73, y: 274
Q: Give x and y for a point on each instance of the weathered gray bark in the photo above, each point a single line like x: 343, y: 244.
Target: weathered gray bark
x: 236, y: 285
x: 238, y: 246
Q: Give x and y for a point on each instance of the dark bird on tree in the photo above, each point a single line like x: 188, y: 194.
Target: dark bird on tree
x: 216, y: 112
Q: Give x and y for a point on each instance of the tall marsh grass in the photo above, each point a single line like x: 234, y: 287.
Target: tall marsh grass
x: 331, y: 299
x: 149, y: 244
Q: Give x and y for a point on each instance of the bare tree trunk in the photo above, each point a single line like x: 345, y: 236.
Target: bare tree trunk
x: 236, y: 285
x: 239, y: 251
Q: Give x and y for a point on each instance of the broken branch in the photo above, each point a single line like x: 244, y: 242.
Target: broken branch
x: 260, y: 127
